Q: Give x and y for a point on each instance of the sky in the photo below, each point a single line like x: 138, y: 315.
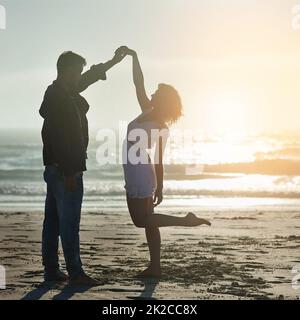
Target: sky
x: 235, y: 63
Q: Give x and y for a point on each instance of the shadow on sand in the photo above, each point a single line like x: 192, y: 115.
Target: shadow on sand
x: 148, y: 291
x: 66, y: 292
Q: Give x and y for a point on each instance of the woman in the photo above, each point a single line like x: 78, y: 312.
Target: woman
x: 144, y: 181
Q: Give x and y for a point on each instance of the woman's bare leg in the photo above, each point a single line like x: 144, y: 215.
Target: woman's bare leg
x: 153, y: 222
x: 162, y: 220
x: 154, y: 242
x: 141, y: 211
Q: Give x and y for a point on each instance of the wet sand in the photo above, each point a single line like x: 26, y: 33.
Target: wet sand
x: 244, y: 255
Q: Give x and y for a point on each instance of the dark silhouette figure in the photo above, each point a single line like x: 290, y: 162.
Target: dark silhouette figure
x: 65, y: 140
x: 144, y: 181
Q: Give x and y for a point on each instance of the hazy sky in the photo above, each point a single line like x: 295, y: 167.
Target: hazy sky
x: 236, y: 63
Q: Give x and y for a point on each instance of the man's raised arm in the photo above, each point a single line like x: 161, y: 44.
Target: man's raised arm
x: 98, y: 71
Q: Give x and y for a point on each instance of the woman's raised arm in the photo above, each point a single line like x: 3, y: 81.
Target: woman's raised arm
x: 138, y: 79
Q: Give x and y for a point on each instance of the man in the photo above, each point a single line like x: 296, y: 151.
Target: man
x: 65, y: 139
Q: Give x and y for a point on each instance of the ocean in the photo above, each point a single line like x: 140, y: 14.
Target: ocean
x: 207, y: 170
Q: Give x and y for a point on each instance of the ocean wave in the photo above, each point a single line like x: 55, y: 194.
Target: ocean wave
x: 279, y: 167
x: 288, y: 153
x: 118, y: 190
x: 267, y: 167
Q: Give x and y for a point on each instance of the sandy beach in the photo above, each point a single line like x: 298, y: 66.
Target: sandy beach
x: 246, y: 254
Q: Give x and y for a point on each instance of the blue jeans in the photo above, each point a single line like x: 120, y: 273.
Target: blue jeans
x: 62, y: 218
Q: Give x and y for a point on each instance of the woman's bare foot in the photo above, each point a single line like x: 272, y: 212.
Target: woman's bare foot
x: 193, y: 221
x: 150, y: 272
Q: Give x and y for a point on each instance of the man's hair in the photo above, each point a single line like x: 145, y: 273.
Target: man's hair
x: 69, y: 59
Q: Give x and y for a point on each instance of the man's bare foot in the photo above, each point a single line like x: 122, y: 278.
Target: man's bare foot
x: 150, y: 272
x: 193, y: 221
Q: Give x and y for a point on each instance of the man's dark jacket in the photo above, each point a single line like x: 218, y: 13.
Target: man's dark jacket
x: 65, y: 129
